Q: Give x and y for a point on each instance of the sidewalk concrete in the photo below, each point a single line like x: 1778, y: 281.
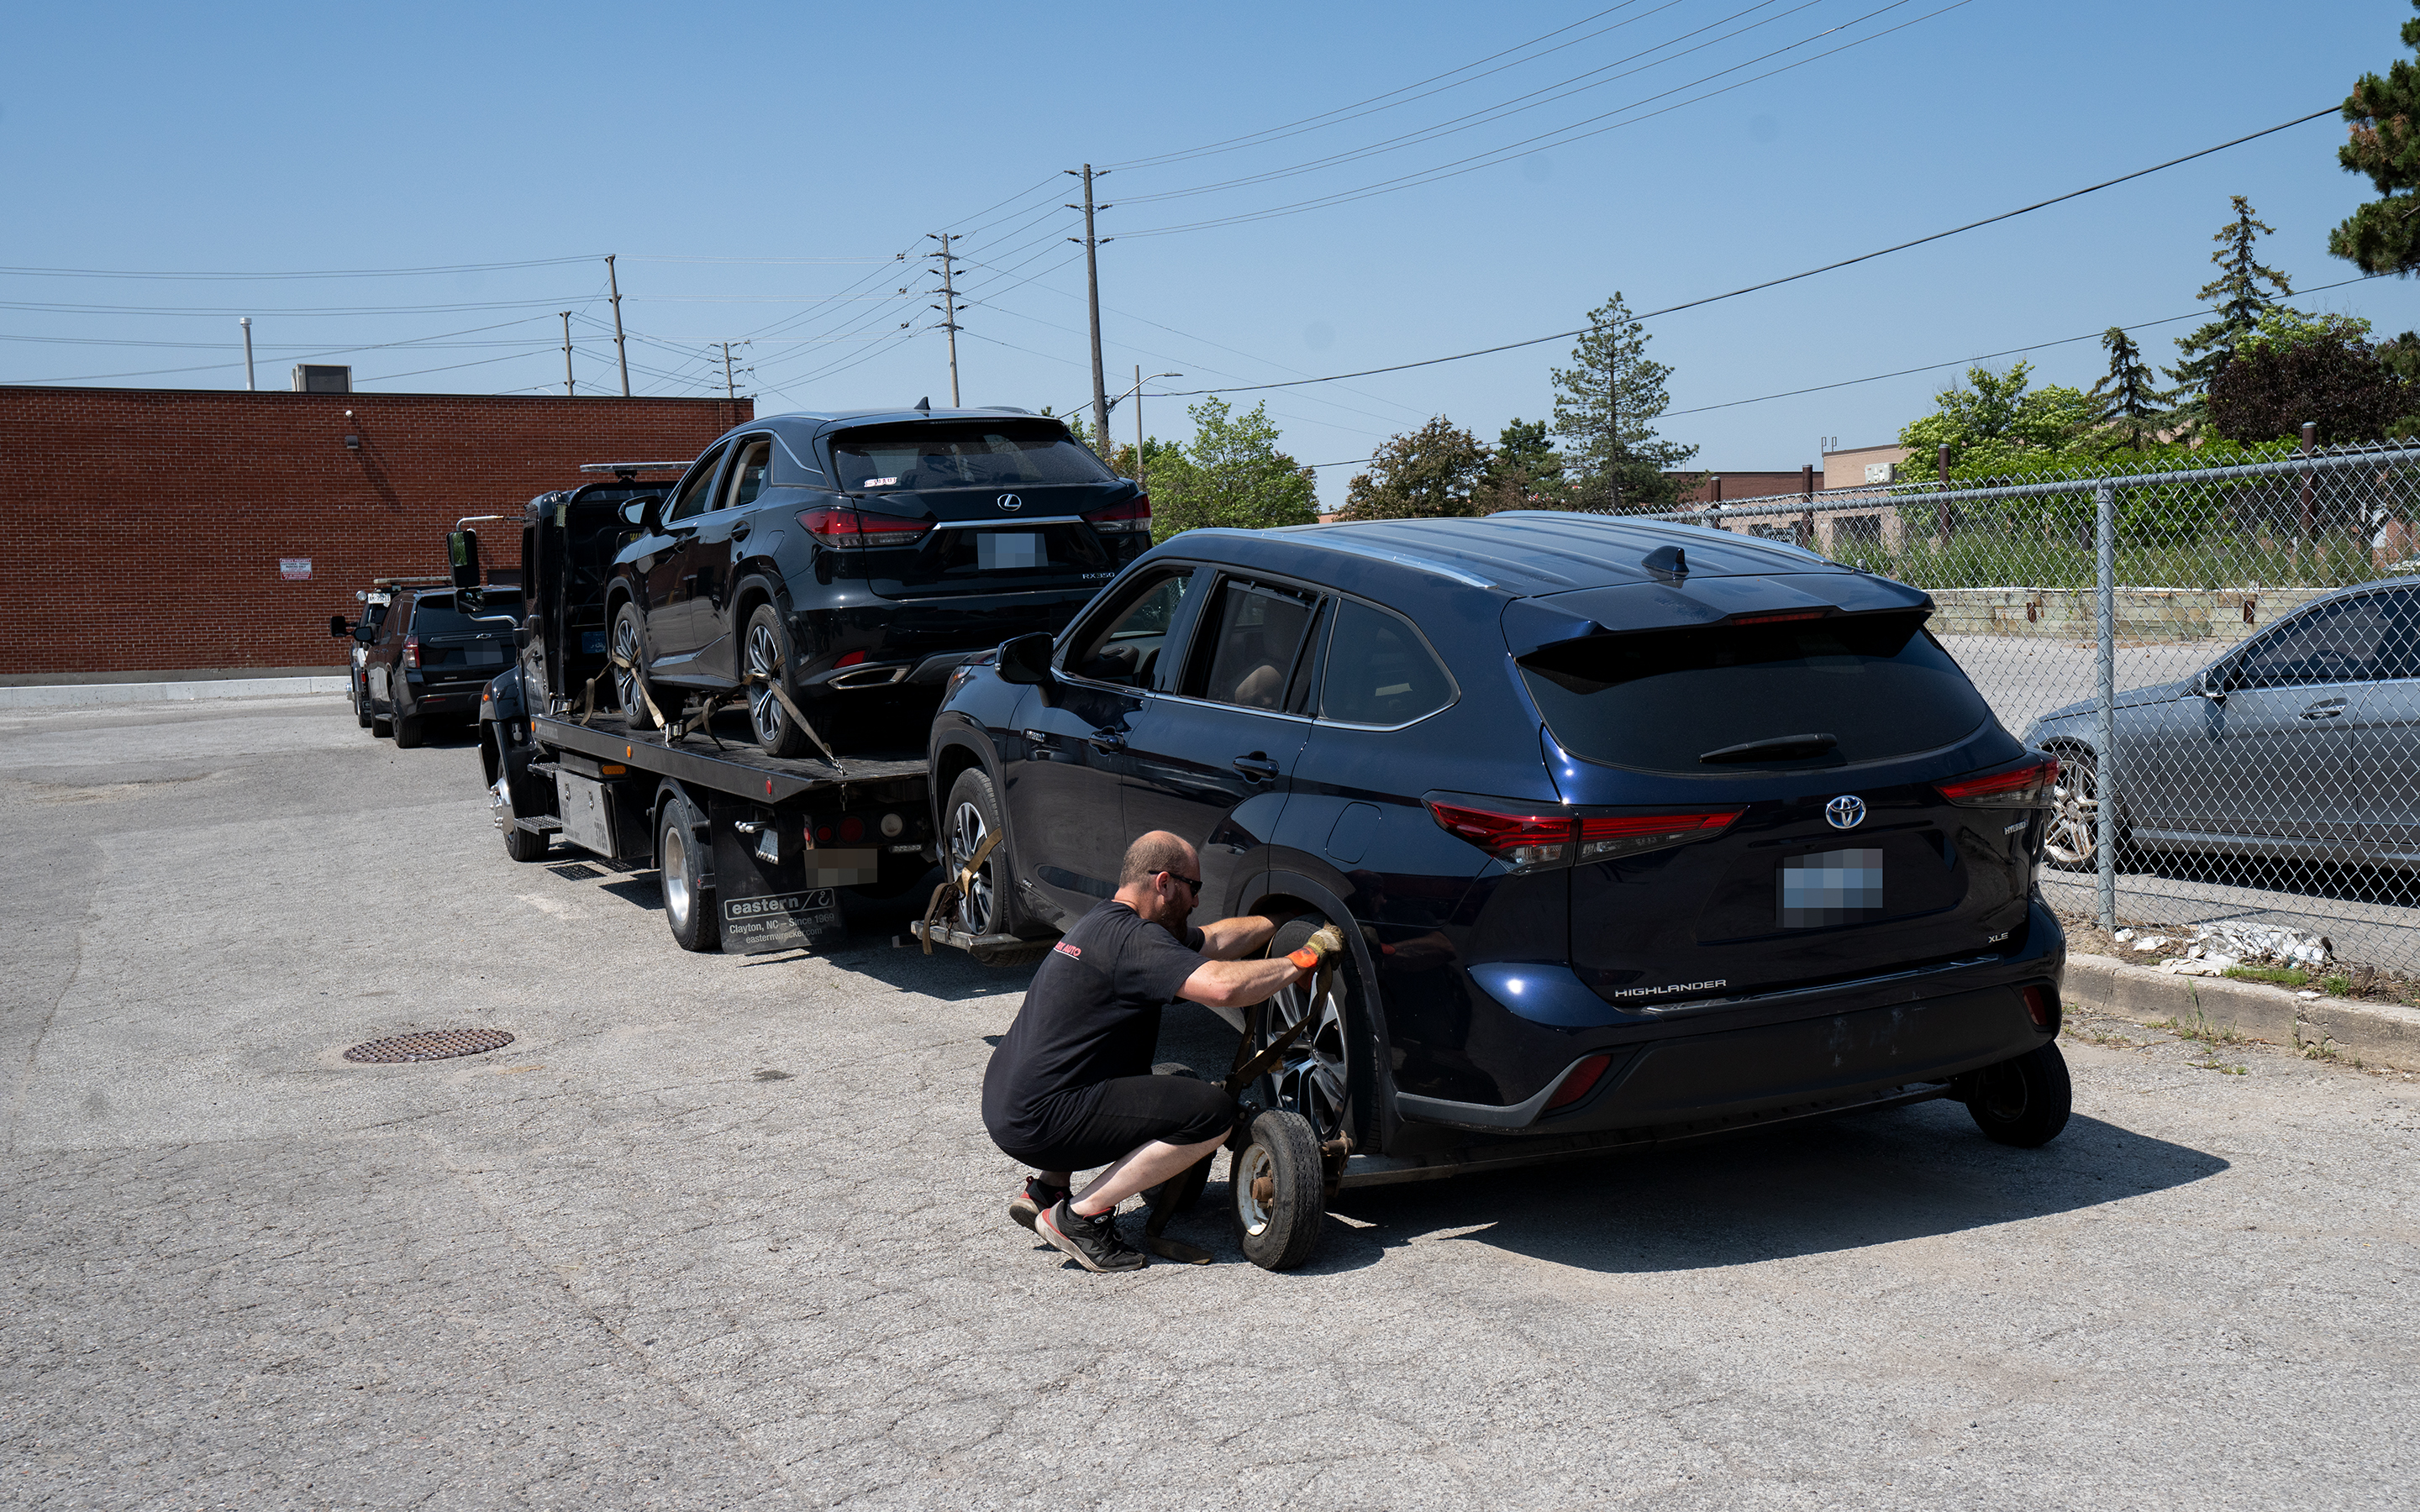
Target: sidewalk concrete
x: 93, y: 695
x: 2380, y: 1035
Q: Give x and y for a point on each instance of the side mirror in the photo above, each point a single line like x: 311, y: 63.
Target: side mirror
x: 647, y: 513
x: 2211, y: 683
x: 525, y: 632
x: 337, y: 627
x: 365, y: 632
x: 1026, y: 660
x: 462, y: 547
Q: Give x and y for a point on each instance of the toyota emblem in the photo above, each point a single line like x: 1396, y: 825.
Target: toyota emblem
x: 1846, y: 811
x: 1010, y: 503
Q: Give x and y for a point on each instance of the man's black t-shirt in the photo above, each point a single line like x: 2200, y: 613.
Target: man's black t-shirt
x: 1092, y: 1014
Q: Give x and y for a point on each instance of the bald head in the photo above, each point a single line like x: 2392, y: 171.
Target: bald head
x: 1152, y: 854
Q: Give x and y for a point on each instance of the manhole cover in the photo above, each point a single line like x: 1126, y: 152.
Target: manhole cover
x: 575, y: 871
x: 431, y: 1044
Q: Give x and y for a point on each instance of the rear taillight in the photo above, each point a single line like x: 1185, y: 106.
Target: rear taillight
x: 1529, y: 839
x: 1580, y: 1083
x: 2020, y: 787
x: 850, y: 659
x: 411, y: 652
x: 1628, y: 833
x: 1119, y: 519
x: 848, y: 530
x: 2042, y: 1006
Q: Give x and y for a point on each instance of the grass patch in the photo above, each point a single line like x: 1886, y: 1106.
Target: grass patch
x: 2222, y: 1068
x: 2288, y: 977
x: 2203, y: 1031
x: 2337, y: 986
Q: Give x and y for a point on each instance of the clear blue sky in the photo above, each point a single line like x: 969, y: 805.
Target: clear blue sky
x: 757, y: 167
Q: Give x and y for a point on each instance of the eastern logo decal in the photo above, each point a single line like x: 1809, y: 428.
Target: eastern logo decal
x: 1846, y: 811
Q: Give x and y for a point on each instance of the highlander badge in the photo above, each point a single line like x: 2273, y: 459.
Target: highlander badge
x: 1009, y: 502
x: 1846, y: 811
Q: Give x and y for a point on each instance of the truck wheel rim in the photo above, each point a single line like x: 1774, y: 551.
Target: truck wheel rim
x: 764, y: 660
x: 1251, y: 1168
x: 967, y: 832
x: 626, y: 661
x: 1314, y: 1076
x: 2076, y: 820
x: 676, y: 875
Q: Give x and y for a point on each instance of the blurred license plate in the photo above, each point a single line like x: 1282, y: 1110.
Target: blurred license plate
x: 1830, y: 888
x: 1007, y: 548
x: 484, y: 656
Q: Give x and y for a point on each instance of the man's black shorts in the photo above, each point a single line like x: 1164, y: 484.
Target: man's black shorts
x: 1089, y: 1126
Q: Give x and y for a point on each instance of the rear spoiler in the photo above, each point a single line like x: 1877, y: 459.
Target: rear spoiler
x: 1534, y: 624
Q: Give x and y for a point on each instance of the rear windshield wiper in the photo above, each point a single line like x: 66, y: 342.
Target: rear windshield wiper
x: 1779, y: 747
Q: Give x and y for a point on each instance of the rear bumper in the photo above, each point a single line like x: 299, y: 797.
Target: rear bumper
x: 1744, y: 1056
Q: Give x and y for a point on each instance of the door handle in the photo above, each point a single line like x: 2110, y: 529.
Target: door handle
x: 740, y: 530
x: 1108, y: 742
x: 2327, y: 712
x: 1256, y: 767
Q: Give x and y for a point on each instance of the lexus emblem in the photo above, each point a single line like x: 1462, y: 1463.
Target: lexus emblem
x: 1010, y: 503
x: 1846, y: 811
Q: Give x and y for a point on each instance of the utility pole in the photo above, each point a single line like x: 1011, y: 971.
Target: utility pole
x: 949, y: 307
x: 1139, y: 482
x: 1092, y: 297
x: 568, y: 388
x: 621, y: 351
x: 248, y: 384
x: 729, y: 386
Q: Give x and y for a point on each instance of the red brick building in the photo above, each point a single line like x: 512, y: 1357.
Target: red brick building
x: 201, y: 533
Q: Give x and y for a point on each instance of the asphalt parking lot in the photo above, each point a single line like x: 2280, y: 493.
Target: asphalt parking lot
x: 721, y: 1231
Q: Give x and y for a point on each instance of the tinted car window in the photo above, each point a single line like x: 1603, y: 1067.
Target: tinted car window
x: 748, y: 473
x: 1253, y: 649
x: 443, y: 616
x: 1659, y: 700
x: 2357, y: 640
x: 990, y: 455
x: 1123, y: 646
x: 691, y: 500
x: 1379, y: 671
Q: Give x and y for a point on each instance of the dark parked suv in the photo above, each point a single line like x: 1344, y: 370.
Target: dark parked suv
x: 1647, y: 831
x: 433, y: 655
x: 833, y: 555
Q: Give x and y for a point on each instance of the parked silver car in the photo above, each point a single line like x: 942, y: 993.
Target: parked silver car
x: 2301, y: 744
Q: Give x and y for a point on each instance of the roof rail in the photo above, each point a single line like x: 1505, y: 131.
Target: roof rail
x: 627, y: 469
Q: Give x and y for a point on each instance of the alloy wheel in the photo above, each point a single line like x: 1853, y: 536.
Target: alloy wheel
x: 626, y: 666
x: 967, y: 834
x: 2074, y: 837
x: 764, y: 710
x: 1314, y: 1078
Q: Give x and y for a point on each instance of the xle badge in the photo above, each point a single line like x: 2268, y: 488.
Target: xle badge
x: 1846, y: 811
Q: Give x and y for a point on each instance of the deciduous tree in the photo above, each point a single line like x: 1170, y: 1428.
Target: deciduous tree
x: 2294, y: 368
x: 1231, y: 473
x: 1999, y: 420
x: 1421, y: 474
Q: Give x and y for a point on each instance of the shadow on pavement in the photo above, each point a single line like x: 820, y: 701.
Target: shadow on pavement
x: 1843, y: 1185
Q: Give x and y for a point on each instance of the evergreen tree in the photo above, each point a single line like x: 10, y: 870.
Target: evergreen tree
x: 1605, y: 406
x: 2240, y: 302
x: 1421, y: 474
x: 2382, y: 237
x: 1524, y: 472
x: 2130, y: 405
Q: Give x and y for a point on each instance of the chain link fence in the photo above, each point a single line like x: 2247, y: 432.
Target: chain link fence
x: 2227, y: 661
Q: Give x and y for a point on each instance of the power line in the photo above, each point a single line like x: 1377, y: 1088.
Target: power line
x: 254, y: 310
x: 337, y: 272
x: 1789, y: 278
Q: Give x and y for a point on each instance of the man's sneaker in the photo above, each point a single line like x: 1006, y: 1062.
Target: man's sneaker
x: 1092, y: 1242
x: 1028, y: 1203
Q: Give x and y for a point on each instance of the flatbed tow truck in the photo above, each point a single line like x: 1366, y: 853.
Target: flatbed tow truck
x: 754, y: 849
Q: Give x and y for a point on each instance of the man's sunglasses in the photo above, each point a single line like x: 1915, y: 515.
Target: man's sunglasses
x: 1194, y: 883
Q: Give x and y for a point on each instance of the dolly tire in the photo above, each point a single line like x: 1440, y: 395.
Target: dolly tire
x: 688, y: 905
x: 2024, y: 1102
x: 1278, y: 1189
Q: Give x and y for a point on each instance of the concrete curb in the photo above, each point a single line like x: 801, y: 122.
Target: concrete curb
x: 2370, y: 1034
x: 94, y: 695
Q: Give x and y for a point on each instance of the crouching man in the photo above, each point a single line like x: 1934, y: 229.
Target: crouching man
x: 1070, y: 1086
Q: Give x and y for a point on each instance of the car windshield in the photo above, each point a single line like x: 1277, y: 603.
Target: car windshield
x: 1661, y: 699
x: 992, y: 454
x: 445, y: 616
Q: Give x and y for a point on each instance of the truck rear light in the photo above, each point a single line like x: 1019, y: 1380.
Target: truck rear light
x: 1119, y: 519
x: 1628, y: 834
x: 852, y: 829
x: 2042, y: 1006
x: 848, y: 530
x: 1518, y: 840
x: 1579, y: 1083
x: 411, y: 652
x: 2020, y: 787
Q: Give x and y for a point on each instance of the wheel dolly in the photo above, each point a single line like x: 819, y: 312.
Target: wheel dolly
x: 1280, y: 1175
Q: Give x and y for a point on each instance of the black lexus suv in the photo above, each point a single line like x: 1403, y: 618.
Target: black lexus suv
x: 1645, y: 831
x: 829, y: 555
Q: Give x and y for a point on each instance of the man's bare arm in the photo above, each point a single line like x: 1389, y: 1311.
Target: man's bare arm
x: 1232, y: 939
x: 1238, y: 983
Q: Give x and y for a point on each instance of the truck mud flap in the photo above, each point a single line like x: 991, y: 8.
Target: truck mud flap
x: 773, y: 890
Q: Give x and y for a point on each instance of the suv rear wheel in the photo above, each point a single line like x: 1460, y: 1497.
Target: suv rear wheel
x: 1329, y: 1068
x: 766, y: 660
x: 2023, y: 1101
x: 629, y: 657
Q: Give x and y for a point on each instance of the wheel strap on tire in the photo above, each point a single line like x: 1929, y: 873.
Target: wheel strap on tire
x: 953, y: 888
x: 774, y: 683
x: 1274, y: 1052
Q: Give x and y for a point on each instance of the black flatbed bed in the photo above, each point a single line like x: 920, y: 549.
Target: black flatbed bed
x: 736, y: 766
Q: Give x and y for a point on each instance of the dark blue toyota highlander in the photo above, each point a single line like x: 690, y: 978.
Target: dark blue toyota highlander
x: 1647, y: 830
